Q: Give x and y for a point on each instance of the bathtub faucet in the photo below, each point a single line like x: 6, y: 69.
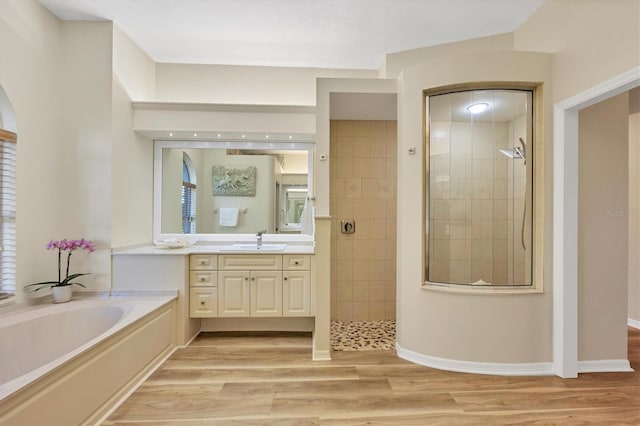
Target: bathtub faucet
x: 259, y: 235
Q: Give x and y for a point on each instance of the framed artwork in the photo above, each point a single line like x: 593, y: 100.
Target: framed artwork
x: 234, y: 181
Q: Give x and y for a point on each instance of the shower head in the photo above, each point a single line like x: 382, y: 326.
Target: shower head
x: 515, y: 153
x: 523, y: 153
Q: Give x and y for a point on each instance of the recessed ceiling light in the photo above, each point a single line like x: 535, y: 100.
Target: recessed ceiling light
x: 219, y: 135
x: 243, y: 136
x: 267, y: 136
x: 195, y: 134
x: 478, y: 107
x: 290, y: 137
x: 170, y: 134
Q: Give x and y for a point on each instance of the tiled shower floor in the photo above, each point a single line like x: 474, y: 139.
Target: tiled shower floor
x: 363, y: 335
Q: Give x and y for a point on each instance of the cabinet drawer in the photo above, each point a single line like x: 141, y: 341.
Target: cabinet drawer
x: 296, y: 262
x: 199, y: 262
x: 203, y: 278
x: 260, y: 262
x: 203, y: 302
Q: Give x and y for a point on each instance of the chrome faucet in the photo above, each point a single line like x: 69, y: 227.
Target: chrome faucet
x: 259, y: 235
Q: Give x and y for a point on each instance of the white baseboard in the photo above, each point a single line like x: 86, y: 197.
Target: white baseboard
x: 633, y: 323
x: 605, y: 366
x: 493, y: 368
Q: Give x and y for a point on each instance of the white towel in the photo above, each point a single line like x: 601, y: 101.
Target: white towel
x: 306, y: 218
x: 228, y: 216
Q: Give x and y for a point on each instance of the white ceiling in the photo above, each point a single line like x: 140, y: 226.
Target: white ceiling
x: 297, y: 33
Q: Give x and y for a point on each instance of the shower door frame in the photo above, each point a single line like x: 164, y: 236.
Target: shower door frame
x: 537, y: 197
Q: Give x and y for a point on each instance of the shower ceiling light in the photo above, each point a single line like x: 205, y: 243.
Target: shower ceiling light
x: 477, y: 108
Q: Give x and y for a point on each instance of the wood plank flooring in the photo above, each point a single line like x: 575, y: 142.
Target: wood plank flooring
x: 269, y: 379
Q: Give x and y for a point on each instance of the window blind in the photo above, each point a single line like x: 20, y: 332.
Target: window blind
x: 7, y: 214
x: 188, y: 208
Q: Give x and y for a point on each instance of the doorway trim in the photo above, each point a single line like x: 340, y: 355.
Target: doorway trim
x: 565, y: 216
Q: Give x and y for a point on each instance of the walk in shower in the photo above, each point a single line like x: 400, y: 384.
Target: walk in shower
x: 479, y: 183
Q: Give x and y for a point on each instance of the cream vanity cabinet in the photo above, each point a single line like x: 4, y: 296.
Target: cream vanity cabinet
x: 296, y: 286
x: 203, y: 285
x: 250, y: 285
x: 253, y: 285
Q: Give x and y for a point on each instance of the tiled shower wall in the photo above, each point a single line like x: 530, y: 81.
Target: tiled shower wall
x: 363, y: 188
x: 473, y: 218
x: 516, y: 171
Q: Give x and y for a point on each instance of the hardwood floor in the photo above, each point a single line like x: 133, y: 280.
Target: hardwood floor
x: 268, y: 379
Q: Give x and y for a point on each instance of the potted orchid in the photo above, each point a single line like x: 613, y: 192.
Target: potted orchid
x: 61, y: 289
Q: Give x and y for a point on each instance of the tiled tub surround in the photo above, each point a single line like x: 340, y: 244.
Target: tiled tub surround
x: 57, y: 352
x: 363, y: 188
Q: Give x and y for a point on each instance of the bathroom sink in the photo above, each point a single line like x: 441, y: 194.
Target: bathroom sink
x: 255, y: 247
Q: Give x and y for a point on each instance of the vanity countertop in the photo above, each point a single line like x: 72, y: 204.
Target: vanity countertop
x: 211, y: 249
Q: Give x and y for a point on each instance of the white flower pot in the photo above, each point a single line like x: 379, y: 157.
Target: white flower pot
x: 61, y: 294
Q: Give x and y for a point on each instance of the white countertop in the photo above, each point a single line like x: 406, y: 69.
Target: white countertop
x: 291, y: 248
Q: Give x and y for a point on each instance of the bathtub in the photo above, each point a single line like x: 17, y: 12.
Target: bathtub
x: 87, y: 351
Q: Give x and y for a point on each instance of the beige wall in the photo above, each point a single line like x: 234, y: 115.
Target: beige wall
x: 30, y: 72
x: 75, y: 129
x: 592, y: 41
x: 487, y: 328
x: 363, y: 188
x: 394, y: 63
x: 132, y: 165
x: 87, y: 149
x: 634, y: 205
x: 603, y: 229
x: 132, y: 153
x: 134, y: 69
x: 229, y: 84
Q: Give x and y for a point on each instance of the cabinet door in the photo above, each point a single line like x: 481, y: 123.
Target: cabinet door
x: 233, y: 294
x: 296, y: 294
x: 266, y: 294
x: 203, y: 302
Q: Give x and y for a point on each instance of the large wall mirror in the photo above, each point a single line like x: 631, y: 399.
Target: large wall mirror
x: 219, y: 190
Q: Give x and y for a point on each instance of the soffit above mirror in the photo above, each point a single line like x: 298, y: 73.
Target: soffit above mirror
x: 210, y: 122
x: 262, y: 139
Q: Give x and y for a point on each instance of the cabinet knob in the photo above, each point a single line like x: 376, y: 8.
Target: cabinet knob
x: 202, y: 279
x: 202, y: 303
x: 246, y: 278
x: 253, y: 278
x: 202, y: 262
x: 285, y: 278
x: 296, y: 262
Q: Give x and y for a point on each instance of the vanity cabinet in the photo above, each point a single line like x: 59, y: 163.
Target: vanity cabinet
x: 296, y: 285
x: 251, y: 285
x: 203, y: 286
x: 250, y: 293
